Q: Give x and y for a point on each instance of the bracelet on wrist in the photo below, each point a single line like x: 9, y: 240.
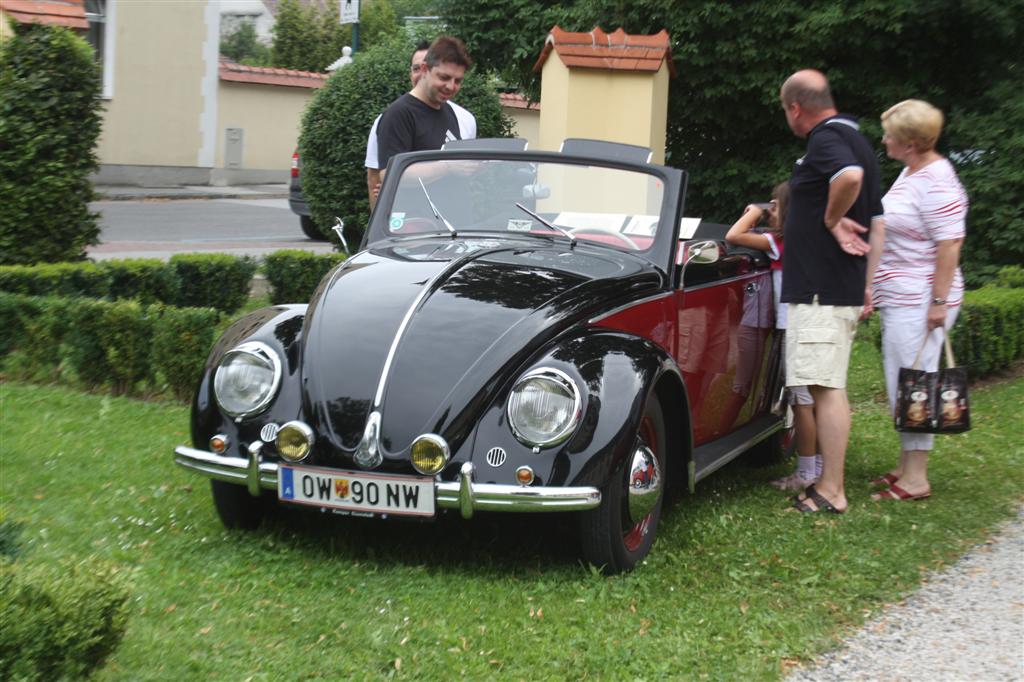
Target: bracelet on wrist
x: 938, y: 301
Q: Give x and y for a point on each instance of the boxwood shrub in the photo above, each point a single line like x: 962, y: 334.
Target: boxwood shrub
x: 213, y: 280
x: 56, y: 279
x: 122, y: 346
x: 50, y: 117
x: 59, y: 622
x: 294, y: 274
x: 148, y: 280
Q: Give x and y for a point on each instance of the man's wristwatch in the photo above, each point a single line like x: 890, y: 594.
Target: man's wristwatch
x: 938, y: 301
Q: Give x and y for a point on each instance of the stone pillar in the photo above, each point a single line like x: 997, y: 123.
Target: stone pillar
x: 605, y: 86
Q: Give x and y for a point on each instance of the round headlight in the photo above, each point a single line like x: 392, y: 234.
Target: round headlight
x: 429, y: 454
x: 247, y: 379
x: 294, y: 441
x: 544, y: 407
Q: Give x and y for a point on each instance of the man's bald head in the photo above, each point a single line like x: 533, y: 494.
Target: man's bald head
x: 808, y: 88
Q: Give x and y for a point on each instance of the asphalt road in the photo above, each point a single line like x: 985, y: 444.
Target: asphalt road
x: 159, y: 228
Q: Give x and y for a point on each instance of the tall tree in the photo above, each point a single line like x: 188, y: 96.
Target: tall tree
x: 297, y: 37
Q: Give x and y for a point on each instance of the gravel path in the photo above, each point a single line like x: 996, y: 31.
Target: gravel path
x: 965, y: 623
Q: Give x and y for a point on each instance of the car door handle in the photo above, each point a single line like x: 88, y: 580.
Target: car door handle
x: 750, y: 288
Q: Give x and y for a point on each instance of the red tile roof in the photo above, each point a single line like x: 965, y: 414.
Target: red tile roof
x: 617, y: 51
x: 513, y: 100
x: 240, y: 73
x: 70, y: 13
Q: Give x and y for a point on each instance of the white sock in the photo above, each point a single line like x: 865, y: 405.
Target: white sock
x: 819, y: 462
x: 806, y: 467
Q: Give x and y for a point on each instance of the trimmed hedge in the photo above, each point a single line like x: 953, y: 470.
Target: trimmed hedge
x: 56, y: 279
x: 50, y: 119
x: 59, y: 622
x: 121, y: 345
x: 213, y: 280
x: 295, y: 274
x: 199, y: 280
x: 989, y: 333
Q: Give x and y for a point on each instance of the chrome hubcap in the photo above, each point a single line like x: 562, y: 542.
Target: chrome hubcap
x: 643, y: 485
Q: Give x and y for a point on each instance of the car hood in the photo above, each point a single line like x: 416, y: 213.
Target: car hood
x: 426, y: 331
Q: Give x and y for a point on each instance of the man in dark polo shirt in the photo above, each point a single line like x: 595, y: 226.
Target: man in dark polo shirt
x: 834, y: 192
x: 423, y: 119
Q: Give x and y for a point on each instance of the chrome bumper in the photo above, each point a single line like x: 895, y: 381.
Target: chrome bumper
x: 464, y: 494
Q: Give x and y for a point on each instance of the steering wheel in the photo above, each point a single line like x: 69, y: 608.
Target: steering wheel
x: 618, y: 235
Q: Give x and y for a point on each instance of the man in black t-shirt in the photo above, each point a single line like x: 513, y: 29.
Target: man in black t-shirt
x: 422, y: 119
x: 834, y: 191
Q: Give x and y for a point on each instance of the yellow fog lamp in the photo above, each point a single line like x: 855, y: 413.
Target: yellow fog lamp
x: 429, y: 454
x: 294, y: 441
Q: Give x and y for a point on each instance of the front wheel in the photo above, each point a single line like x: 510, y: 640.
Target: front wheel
x: 236, y: 507
x: 620, y: 532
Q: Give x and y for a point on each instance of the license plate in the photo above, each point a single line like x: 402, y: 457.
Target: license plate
x: 356, y: 491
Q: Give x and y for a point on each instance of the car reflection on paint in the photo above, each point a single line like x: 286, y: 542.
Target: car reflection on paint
x: 520, y: 331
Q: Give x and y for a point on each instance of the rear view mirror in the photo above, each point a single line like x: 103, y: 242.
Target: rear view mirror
x: 702, y: 253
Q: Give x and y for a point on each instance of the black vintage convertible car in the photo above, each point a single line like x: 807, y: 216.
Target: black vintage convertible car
x: 520, y: 331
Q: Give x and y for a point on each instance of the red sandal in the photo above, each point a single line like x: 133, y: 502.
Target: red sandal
x: 894, y: 492
x: 886, y: 480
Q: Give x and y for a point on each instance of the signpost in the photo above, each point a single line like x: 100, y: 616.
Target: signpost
x: 350, y: 15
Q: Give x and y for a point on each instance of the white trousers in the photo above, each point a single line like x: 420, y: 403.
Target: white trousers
x: 903, y: 331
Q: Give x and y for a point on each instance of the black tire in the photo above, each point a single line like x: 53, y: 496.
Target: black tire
x: 309, y: 228
x: 236, y: 507
x: 610, y: 539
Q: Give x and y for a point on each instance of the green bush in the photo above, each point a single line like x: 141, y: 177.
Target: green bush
x: 49, y: 123
x: 294, y: 274
x: 56, y: 279
x: 59, y: 622
x: 989, y: 333
x: 121, y: 345
x: 182, y: 338
x: 147, y: 280
x: 1010, y: 277
x: 213, y: 280
x: 338, y: 120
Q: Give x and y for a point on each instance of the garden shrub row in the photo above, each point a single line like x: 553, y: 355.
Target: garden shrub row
x: 124, y: 346
x: 59, y: 622
x: 199, y: 280
x: 293, y: 274
x: 989, y: 333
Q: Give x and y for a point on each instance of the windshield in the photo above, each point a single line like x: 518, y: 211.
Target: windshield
x: 611, y: 206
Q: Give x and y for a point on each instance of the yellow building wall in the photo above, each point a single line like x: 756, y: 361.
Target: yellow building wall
x: 525, y: 124
x: 153, y: 116
x: 269, y: 115
x: 617, y: 106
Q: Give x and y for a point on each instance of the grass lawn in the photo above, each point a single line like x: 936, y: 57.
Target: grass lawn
x: 735, y: 586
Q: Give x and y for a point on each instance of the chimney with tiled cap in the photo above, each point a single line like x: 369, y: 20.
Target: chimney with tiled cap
x: 605, y: 86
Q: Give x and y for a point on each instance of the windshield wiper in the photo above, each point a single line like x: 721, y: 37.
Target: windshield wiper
x: 437, y: 214
x: 561, y: 230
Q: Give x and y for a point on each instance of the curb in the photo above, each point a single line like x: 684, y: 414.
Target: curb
x: 117, y: 196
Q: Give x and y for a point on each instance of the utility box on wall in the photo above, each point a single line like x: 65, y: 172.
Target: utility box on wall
x: 234, y: 139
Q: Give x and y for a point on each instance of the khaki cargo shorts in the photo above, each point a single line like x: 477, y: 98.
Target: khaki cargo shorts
x: 819, y: 338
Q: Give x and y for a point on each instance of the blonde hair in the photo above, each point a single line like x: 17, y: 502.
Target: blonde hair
x: 915, y: 122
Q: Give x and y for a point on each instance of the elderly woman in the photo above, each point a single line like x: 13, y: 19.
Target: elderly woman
x: 917, y: 286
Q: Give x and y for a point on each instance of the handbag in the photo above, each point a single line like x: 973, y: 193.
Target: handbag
x: 933, y: 402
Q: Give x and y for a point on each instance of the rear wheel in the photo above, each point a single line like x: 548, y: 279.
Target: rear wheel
x: 620, y: 532
x: 236, y: 507
x: 309, y: 228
